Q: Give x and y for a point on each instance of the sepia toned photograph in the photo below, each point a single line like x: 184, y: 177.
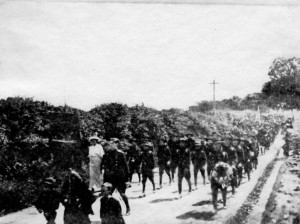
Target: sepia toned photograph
x: 149, y: 112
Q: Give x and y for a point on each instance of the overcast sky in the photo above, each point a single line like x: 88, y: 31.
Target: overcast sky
x: 163, y: 55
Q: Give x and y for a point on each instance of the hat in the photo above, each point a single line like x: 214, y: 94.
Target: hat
x: 218, y: 142
x: 197, y: 143
x: 94, y: 138
x: 50, y: 181
x: 115, y: 140
x: 235, y: 137
x: 107, y: 184
x: 132, y: 139
x: 208, y: 138
x: 145, y: 135
x: 189, y: 133
x: 163, y: 138
x: 148, y: 144
x: 215, y: 139
x: 227, y: 136
x: 183, y: 139
x: 254, y: 132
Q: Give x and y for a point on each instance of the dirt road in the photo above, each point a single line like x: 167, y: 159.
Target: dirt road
x: 165, y: 207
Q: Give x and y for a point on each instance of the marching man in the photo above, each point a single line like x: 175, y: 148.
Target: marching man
x: 220, y: 179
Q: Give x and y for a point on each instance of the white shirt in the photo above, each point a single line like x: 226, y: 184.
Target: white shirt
x: 96, y: 150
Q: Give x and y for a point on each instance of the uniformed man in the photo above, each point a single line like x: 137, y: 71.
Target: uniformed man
x: 233, y: 176
x: 240, y: 159
x: 267, y: 137
x: 134, y: 160
x: 227, y: 143
x: 232, y: 154
x: 247, y: 152
x: 164, y: 160
x: 210, y: 155
x: 240, y: 151
x: 173, y: 145
x: 116, y: 170
x: 199, y: 161
x: 147, y: 165
x: 216, y: 151
x: 255, y: 150
x: 48, y: 200
x: 220, y: 179
x: 262, y: 132
x: 190, y: 142
x: 184, y: 163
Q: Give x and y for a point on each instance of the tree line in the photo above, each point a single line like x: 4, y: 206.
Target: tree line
x: 281, y: 91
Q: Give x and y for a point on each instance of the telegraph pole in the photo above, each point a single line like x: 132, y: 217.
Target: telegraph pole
x: 214, y: 83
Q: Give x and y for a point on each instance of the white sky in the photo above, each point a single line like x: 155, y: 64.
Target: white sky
x: 161, y: 54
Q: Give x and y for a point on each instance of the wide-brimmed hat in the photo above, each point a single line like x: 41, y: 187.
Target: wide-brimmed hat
x: 107, y: 184
x: 114, y: 140
x: 198, y: 142
x: 227, y: 136
x: 132, y: 139
x: 254, y: 132
x: 94, y: 138
x: 50, y: 181
x: 208, y: 138
x: 148, y: 144
x: 218, y: 142
x: 243, y: 139
x: 235, y: 138
x: 215, y: 139
x: 183, y: 139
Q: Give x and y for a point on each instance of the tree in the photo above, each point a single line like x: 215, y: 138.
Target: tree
x: 284, y: 80
x: 115, y: 118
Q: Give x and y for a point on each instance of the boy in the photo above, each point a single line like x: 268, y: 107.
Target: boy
x: 147, y: 166
x: 110, y: 208
x: 48, y: 200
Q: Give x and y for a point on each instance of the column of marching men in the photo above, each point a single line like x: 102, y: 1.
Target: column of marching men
x: 223, y: 159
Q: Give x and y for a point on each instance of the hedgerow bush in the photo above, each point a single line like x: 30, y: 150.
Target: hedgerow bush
x: 29, y: 129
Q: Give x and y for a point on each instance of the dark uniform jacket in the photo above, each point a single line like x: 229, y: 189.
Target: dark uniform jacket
x: 111, y: 211
x: 147, y: 160
x: 199, y: 157
x: 226, y: 148
x: 115, y: 165
x: 224, y: 156
x: 48, y: 200
x: 173, y: 145
x: 191, y: 144
x: 133, y: 155
x: 184, y: 156
x: 240, y: 154
x: 163, y: 154
x: 232, y: 154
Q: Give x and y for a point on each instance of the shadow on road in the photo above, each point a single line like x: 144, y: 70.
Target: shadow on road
x: 207, y: 216
x: 206, y: 202
x: 163, y: 200
x: 174, y: 192
x: 135, y: 197
x: 201, y: 203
